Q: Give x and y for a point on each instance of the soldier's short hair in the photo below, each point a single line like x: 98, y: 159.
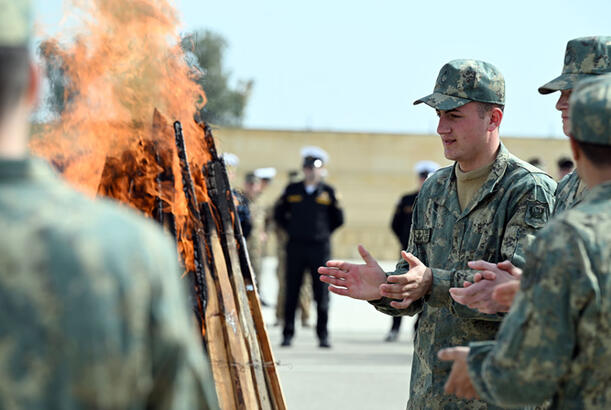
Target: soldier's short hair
x: 565, y: 163
x: 598, y: 154
x: 251, y: 178
x: 485, y: 108
x: 14, y: 75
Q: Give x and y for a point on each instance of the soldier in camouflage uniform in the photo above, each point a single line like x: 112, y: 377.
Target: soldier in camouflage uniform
x: 585, y: 57
x: 554, y: 343
x: 92, y: 312
x: 486, y: 206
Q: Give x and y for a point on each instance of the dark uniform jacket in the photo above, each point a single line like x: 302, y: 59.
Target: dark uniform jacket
x: 402, y: 219
x: 243, y: 209
x: 308, y: 217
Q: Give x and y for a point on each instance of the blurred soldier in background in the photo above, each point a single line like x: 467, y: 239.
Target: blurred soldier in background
x: 565, y: 166
x: 554, y: 342
x: 253, y: 225
x: 402, y: 223
x: 305, y: 293
x: 536, y: 162
x: 260, y: 216
x: 309, y: 212
x: 266, y: 175
x: 92, y: 310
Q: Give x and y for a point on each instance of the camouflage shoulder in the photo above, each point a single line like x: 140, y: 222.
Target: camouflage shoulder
x: 437, y: 181
x: 568, y: 180
x: 522, y: 170
x: 585, y: 217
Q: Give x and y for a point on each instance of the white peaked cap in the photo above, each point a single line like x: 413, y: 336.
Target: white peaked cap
x: 265, y: 173
x: 316, y: 152
x: 231, y: 160
x: 426, y: 166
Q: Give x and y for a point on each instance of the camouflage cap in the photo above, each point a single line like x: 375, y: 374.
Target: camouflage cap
x: 15, y: 22
x: 590, y: 110
x: 462, y: 81
x: 584, y: 57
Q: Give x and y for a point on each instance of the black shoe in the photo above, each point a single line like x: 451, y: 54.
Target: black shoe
x: 286, y: 342
x: 393, y: 336
x: 324, y: 342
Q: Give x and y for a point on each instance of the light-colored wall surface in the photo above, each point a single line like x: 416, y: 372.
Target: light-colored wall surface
x: 370, y: 171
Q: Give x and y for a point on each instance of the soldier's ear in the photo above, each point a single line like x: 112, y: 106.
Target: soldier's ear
x: 575, y: 149
x: 496, y: 116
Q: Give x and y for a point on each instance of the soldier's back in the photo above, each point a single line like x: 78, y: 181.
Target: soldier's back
x: 91, y: 311
x: 586, y: 384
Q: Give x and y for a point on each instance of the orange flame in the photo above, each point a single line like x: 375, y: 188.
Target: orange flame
x: 123, y: 61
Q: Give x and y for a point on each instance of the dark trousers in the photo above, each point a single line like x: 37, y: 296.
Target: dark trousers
x: 300, y: 257
x: 396, y: 323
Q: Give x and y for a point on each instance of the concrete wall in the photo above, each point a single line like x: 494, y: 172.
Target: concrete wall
x: 370, y: 171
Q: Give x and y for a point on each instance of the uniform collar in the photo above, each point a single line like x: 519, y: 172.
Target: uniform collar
x: 499, y: 166
x: 601, y: 192
x: 317, y: 187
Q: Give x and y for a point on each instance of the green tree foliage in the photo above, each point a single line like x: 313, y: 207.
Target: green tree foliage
x: 225, y: 104
x: 204, y: 52
x: 54, y: 64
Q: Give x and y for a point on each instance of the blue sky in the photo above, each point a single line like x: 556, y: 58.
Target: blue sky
x: 359, y: 65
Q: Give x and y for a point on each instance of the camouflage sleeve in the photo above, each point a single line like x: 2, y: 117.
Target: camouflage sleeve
x: 567, y: 193
x: 181, y: 375
x: 537, y: 339
x: 529, y: 213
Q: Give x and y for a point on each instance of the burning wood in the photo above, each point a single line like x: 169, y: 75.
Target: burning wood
x: 226, y: 302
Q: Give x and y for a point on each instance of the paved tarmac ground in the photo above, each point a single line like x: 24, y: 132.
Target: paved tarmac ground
x: 359, y: 372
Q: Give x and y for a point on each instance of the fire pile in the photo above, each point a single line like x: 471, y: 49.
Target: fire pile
x: 127, y: 76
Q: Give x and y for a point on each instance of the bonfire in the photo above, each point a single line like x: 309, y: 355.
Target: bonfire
x: 129, y: 132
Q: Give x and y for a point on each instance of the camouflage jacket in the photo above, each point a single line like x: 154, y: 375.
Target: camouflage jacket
x: 566, y: 193
x: 554, y: 343
x: 514, y: 202
x: 92, y: 312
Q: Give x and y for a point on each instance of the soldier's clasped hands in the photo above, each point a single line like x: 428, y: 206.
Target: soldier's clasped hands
x: 479, y: 295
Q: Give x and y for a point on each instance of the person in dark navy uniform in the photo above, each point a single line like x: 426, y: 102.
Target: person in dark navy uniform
x: 402, y: 223
x: 309, y: 212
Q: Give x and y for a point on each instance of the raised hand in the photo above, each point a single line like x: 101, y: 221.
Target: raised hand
x: 409, y: 286
x: 358, y: 281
